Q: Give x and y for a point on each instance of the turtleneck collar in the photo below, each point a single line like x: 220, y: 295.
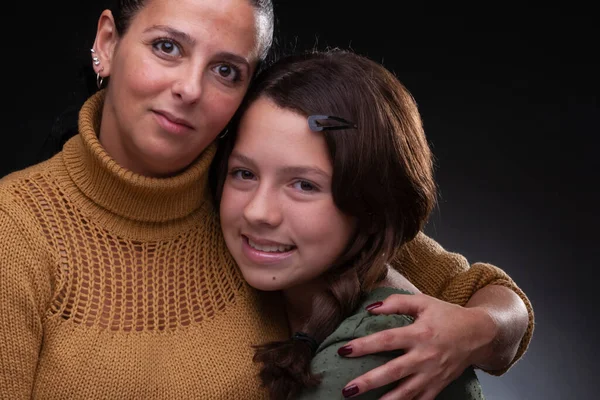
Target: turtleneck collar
x: 126, y: 193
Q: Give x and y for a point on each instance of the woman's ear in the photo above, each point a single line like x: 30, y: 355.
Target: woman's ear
x: 105, y: 44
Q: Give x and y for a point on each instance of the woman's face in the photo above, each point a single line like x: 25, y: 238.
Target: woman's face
x: 176, y: 78
x: 277, y: 211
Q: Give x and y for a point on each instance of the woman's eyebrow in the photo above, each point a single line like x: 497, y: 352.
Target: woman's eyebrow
x: 177, y: 34
x: 190, y: 41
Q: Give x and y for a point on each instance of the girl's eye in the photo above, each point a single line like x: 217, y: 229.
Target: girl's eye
x: 305, y: 186
x: 167, y: 47
x: 243, y: 174
x: 228, y: 72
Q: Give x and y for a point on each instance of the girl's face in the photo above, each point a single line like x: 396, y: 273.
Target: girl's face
x: 277, y: 211
x: 176, y: 78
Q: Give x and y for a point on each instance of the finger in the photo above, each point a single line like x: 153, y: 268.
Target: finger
x: 403, y: 338
x: 408, y: 389
x: 392, y: 371
x: 410, y: 304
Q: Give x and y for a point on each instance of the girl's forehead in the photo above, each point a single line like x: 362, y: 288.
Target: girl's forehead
x: 264, y: 120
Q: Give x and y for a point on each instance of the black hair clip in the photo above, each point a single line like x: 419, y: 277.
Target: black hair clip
x: 303, y: 337
x: 319, y: 123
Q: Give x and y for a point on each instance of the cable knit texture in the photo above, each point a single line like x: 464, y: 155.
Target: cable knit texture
x: 119, y: 286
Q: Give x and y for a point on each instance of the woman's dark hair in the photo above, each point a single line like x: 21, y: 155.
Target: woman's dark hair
x: 382, y: 176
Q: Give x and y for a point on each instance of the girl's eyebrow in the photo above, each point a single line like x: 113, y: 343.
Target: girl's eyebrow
x: 242, y: 158
x: 302, y: 170
x: 287, y: 170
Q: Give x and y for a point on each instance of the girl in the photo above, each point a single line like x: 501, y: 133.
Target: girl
x: 329, y: 174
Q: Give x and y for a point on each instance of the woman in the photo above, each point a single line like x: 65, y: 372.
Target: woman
x: 116, y: 282
x: 328, y: 175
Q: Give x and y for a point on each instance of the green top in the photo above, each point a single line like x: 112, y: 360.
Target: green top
x: 337, y: 371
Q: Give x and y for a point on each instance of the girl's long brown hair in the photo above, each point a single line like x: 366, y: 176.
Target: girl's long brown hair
x: 382, y: 176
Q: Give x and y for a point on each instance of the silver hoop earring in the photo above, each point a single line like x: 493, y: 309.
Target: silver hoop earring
x: 99, y: 80
x: 221, y: 136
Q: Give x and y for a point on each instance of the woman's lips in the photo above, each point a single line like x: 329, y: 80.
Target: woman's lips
x: 172, y: 124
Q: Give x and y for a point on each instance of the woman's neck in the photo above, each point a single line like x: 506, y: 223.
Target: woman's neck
x: 118, y: 191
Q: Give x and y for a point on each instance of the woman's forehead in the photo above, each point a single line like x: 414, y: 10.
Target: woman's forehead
x: 221, y: 25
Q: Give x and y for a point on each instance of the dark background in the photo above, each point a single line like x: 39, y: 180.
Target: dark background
x: 509, y: 99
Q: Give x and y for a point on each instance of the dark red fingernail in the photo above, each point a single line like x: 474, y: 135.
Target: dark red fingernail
x: 350, y: 391
x: 344, y: 351
x: 374, y: 306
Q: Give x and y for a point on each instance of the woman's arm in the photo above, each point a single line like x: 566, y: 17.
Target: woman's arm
x: 468, y: 315
x: 21, y: 311
x: 508, y: 322
x: 449, y: 277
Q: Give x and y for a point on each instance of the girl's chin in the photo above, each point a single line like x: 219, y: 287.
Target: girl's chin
x: 266, y: 283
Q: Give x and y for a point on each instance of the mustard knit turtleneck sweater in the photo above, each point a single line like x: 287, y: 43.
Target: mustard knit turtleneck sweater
x: 119, y: 286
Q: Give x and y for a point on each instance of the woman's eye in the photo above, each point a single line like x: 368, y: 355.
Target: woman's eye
x: 243, y: 174
x: 228, y: 72
x: 305, y: 186
x: 167, y: 47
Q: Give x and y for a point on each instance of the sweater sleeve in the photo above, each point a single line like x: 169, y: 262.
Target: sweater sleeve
x: 21, y: 310
x: 449, y: 277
